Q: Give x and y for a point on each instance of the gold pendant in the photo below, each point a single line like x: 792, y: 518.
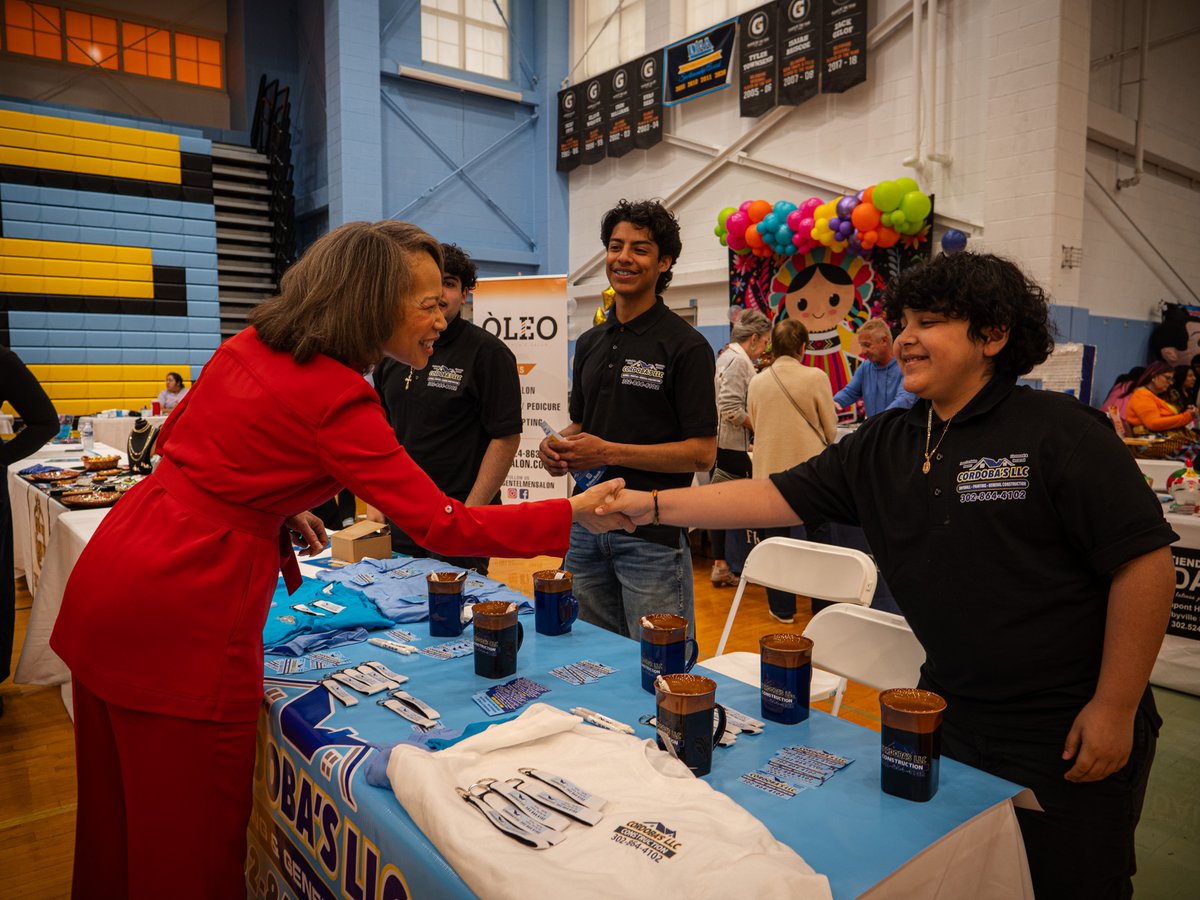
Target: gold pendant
x: 925, y: 468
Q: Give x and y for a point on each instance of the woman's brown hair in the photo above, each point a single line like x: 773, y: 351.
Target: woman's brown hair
x: 342, y: 298
x: 789, y: 338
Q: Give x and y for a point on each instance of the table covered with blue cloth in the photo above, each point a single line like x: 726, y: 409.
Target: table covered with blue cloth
x: 320, y: 829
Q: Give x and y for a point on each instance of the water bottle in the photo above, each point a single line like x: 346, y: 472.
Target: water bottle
x: 585, y: 479
x: 85, y: 435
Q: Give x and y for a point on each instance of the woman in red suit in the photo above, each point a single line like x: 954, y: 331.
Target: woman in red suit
x: 162, y: 618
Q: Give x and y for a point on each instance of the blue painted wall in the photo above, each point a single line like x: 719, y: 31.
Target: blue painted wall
x: 1120, y: 343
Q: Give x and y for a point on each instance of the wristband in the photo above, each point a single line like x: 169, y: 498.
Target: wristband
x: 654, y: 497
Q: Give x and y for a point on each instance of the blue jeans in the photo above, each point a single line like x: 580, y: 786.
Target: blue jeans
x: 618, y: 578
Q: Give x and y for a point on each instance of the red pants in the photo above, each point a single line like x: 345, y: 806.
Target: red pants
x: 163, y: 803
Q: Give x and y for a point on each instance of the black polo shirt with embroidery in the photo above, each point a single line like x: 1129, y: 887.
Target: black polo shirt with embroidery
x: 1001, y: 557
x: 469, y: 394
x: 645, y: 381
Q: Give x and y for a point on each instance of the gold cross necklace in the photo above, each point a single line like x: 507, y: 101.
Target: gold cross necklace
x: 928, y: 434
x: 409, y: 378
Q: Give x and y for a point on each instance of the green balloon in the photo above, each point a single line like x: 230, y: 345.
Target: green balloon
x: 916, y: 206
x: 898, y: 218
x: 725, y: 214
x: 886, y: 196
x: 907, y: 185
x: 719, y: 231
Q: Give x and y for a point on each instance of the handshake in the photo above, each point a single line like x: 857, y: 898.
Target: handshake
x: 609, y: 506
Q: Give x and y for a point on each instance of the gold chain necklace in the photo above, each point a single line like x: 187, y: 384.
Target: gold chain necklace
x: 928, y: 434
x: 408, y: 381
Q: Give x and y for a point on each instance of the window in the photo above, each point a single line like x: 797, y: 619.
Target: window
x: 197, y: 60
x: 147, y: 50
x: 33, y: 29
x: 465, y: 34
x: 91, y: 40
x: 624, y: 40
x: 51, y: 31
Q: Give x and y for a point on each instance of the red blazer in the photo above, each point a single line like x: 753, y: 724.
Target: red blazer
x: 165, y: 609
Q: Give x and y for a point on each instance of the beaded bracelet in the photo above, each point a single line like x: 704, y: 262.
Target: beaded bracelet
x: 654, y: 497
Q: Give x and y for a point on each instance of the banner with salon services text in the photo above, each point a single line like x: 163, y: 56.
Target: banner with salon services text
x: 530, y: 316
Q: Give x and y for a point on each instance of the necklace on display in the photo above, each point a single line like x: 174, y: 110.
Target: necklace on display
x: 928, y: 434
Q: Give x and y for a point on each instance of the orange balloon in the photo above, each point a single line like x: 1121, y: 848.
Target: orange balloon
x: 865, y: 217
x: 758, y: 210
x: 887, y: 237
x: 753, y: 238
x: 866, y: 197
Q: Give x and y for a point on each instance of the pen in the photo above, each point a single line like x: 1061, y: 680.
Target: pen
x: 600, y: 720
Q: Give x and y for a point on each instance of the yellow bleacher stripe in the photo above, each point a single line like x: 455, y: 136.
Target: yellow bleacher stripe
x: 53, y: 250
x: 90, y: 130
x: 89, y: 156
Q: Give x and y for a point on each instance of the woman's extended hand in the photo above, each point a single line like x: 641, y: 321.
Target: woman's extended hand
x: 311, y: 531
x: 584, y: 507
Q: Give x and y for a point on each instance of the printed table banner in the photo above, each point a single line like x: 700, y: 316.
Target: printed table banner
x: 758, y: 52
x: 844, y: 45
x: 699, y: 64
x: 799, y: 54
x: 1185, y: 610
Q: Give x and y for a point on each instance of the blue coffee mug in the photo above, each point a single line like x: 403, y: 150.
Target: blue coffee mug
x: 555, y: 608
x: 666, y: 648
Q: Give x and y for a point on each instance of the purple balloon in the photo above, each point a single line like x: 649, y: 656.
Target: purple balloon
x: 846, y: 228
x: 845, y: 206
x: 854, y: 244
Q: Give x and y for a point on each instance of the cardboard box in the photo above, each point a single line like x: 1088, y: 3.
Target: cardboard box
x: 360, y: 540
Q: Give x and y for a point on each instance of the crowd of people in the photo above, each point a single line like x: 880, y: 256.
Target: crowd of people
x: 1040, y: 609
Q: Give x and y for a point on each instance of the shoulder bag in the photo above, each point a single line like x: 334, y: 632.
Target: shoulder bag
x: 796, y: 406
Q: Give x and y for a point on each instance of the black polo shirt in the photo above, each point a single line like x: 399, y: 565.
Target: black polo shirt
x: 1001, y: 557
x: 645, y: 381
x: 469, y: 394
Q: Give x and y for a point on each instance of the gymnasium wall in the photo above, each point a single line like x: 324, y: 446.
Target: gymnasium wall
x: 108, y: 253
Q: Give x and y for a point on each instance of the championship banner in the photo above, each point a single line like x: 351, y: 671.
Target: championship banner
x: 595, y: 120
x: 758, y: 53
x: 1185, y: 610
x: 844, y: 45
x: 620, y: 109
x: 648, y: 102
x: 568, y: 129
x: 699, y: 64
x: 530, y: 316
x: 799, y: 38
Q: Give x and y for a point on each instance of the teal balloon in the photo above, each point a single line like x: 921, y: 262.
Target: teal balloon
x: 916, y: 206
x: 770, y: 222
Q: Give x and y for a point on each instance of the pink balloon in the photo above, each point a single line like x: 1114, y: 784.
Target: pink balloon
x: 737, y: 223
x: 809, y: 206
x: 793, y: 220
x: 745, y: 205
x: 735, y: 242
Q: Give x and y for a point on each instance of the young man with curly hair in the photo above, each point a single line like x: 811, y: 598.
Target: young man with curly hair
x: 641, y: 404
x: 1021, y: 544
x: 460, y: 417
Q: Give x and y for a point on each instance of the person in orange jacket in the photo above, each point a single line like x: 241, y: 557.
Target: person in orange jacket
x: 1147, y: 411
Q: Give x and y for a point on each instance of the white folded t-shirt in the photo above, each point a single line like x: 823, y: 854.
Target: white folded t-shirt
x: 663, y: 832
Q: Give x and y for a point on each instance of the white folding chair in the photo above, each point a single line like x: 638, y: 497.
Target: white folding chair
x: 870, y: 646
x: 822, y: 571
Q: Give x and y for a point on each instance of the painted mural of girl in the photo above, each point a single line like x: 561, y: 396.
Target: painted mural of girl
x: 828, y: 292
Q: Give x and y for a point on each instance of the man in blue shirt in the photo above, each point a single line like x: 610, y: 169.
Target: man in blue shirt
x: 877, y: 380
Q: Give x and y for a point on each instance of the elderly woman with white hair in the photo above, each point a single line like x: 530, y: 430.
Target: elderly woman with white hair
x: 735, y: 367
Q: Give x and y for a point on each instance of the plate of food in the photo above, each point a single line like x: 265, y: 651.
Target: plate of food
x: 108, y: 473
x: 99, y: 463
x: 89, y: 499
x: 54, y: 476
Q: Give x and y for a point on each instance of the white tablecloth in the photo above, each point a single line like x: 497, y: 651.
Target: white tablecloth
x: 114, y: 431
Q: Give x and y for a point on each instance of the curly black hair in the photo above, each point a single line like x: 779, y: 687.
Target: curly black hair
x: 656, y: 219
x: 987, y: 292
x: 457, y: 263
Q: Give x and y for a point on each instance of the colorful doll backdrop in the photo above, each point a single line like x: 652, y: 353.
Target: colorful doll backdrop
x: 826, y: 262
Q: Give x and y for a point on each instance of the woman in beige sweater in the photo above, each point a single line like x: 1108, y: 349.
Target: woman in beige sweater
x: 792, y: 414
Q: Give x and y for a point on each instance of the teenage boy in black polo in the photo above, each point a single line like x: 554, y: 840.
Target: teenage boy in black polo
x: 642, y: 405
x: 1022, y: 545
x: 459, y: 418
